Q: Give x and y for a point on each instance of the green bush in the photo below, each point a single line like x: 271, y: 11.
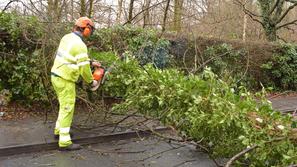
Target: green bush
x: 224, y: 58
x: 20, y: 61
x: 230, y: 65
x: 157, y: 54
x: 282, y: 68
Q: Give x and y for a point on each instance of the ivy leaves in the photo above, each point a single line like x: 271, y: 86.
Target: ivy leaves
x: 19, y: 64
x: 282, y: 68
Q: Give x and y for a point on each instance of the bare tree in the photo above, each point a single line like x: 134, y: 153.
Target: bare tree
x: 178, y: 7
x: 91, y: 3
x: 7, y: 5
x: 146, y: 14
x: 245, y: 16
x: 165, y: 15
x: 83, y: 10
x: 120, y: 10
x: 130, y: 15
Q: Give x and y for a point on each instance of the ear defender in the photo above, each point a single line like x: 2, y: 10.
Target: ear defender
x: 87, y: 31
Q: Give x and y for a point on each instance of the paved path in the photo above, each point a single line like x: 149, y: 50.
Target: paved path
x: 148, y: 152
x: 135, y: 152
x: 33, y: 130
x: 284, y: 104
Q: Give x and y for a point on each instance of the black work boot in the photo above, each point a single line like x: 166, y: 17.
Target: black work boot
x: 71, y: 147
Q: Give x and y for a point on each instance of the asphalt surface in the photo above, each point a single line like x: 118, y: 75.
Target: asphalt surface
x: 140, y: 152
x: 284, y: 104
x: 137, y: 152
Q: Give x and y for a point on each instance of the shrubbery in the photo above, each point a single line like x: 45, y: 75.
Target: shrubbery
x: 282, y: 68
x: 229, y: 64
x: 20, y: 69
x: 144, y: 44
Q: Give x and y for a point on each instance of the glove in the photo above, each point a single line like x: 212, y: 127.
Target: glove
x: 95, y: 85
x: 95, y: 63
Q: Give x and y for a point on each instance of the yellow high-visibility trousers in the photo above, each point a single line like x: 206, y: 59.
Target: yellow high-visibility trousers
x: 65, y: 91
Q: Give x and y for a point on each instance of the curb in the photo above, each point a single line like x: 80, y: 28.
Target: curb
x: 37, y: 147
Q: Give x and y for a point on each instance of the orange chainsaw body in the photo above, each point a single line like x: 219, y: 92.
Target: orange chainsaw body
x: 98, y: 74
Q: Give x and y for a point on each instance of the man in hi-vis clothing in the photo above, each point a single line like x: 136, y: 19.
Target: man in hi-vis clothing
x: 71, y: 62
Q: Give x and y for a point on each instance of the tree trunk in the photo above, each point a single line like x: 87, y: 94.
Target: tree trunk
x: 109, y: 17
x: 72, y: 10
x: 120, y: 10
x: 178, y: 6
x: 83, y: 11
x: 50, y: 12
x: 130, y: 16
x: 59, y: 5
x: 56, y: 8
x: 270, y: 32
x: 244, y: 27
x: 91, y: 8
x: 250, y: 5
x: 165, y: 15
x: 146, y: 14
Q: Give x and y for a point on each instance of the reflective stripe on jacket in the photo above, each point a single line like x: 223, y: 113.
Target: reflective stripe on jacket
x: 72, y: 59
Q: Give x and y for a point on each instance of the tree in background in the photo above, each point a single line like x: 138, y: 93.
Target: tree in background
x: 130, y: 15
x: 165, y: 15
x: 178, y: 8
x: 54, y: 9
x: 90, y: 8
x: 146, y: 14
x: 119, y: 12
x: 83, y: 10
x: 272, y: 15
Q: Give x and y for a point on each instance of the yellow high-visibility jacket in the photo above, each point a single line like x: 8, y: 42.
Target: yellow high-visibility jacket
x: 72, y: 59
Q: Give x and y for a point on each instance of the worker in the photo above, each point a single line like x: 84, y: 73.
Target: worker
x: 71, y: 61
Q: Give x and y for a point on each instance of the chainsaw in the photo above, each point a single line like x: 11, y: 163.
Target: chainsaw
x: 99, y: 74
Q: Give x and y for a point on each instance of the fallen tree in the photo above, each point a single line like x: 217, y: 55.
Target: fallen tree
x: 226, y: 120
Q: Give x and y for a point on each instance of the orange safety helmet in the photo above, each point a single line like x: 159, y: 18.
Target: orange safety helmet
x: 86, y: 24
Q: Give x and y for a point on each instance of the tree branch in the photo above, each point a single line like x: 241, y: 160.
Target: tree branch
x: 237, y: 156
x: 248, y: 12
x: 286, y: 12
x: 234, y: 158
x: 245, y: 9
x: 274, y: 6
x: 7, y: 5
x: 286, y: 24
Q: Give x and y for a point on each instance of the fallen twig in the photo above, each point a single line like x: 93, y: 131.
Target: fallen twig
x: 235, y: 157
x: 116, y: 151
x: 243, y: 152
x: 279, y: 94
x: 122, y: 120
